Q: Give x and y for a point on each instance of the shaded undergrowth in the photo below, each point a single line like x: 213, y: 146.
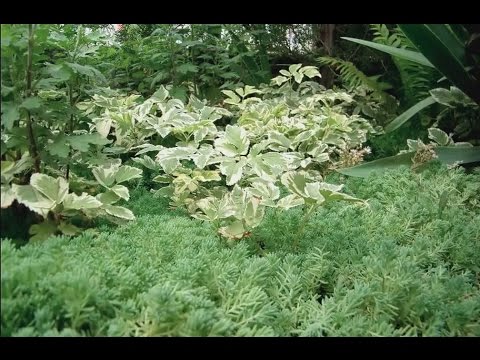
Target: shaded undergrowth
x: 407, y: 264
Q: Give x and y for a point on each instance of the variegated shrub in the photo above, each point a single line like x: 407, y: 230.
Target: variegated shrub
x: 283, y: 137
x: 50, y: 198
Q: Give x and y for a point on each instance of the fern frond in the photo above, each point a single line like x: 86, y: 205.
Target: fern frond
x: 383, y: 36
x: 354, y: 77
x: 416, y: 79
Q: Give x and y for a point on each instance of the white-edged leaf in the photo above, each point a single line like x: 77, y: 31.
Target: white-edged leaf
x: 126, y: 173
x: 53, y: 189
x: 290, y: 201
x: 234, y: 231
x: 105, y: 174
x: 119, y: 211
x: 121, y: 191
x: 108, y: 197
x: 7, y: 196
x: 103, y: 126
x: 232, y: 169
x: 79, y: 202
x: 32, y: 199
x: 233, y: 142
x: 439, y: 136
x: 169, y: 158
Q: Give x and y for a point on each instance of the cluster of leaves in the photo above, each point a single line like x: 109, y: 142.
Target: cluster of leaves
x: 286, y: 134
x: 442, y: 147
x: 402, y: 268
x: 46, y: 71
x: 50, y: 198
x: 192, y: 58
x: 443, y: 49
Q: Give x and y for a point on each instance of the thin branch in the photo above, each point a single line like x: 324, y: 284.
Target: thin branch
x: 28, y: 92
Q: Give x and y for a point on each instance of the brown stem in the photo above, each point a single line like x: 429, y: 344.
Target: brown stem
x: 31, y: 137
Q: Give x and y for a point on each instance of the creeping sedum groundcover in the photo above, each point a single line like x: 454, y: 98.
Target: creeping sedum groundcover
x: 408, y: 264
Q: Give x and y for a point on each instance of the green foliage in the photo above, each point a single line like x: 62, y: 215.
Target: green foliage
x: 48, y: 71
x: 442, y: 148
x: 50, y: 198
x: 293, y: 125
x: 416, y: 80
x: 353, y: 77
x: 447, y: 52
x: 439, y: 48
x: 397, y: 269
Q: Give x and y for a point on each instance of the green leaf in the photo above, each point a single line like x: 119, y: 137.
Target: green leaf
x: 254, y: 212
x: 53, y: 189
x: 80, y: 202
x: 169, y: 158
x: 295, y: 182
x: 234, y: 231
x: 7, y: 196
x: 380, y: 165
x: 161, y: 94
x: 148, y: 162
x: 10, y: 114
x: 310, y: 71
x: 59, y: 72
x: 331, y: 192
x: 59, y: 147
x: 121, y: 191
x: 103, y: 126
x: 108, y: 197
x: 32, y: 199
x: 290, y: 201
x: 126, y: 173
x: 204, y: 156
x: 285, y: 73
x: 31, y: 103
x: 294, y: 68
x: 6, y: 166
x: 394, y: 51
x: 298, y: 77
x: 119, y: 211
x: 443, y: 96
x: 86, y: 70
x: 279, y: 80
x: 248, y: 90
x: 82, y: 142
x: 234, y: 141
x: 401, y: 119
x: 439, y: 136
x: 42, y: 231
x: 206, y: 175
x: 446, y: 52
x: 186, y: 68
x: 445, y: 154
x: 68, y: 229
x: 162, y: 179
x: 148, y: 148
x: 279, y: 141
x: 232, y: 169
x: 105, y: 174
x: 266, y: 191
x: 233, y: 98
x: 450, y: 154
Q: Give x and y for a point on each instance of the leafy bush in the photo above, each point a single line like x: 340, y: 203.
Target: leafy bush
x: 401, y: 267
x: 286, y: 134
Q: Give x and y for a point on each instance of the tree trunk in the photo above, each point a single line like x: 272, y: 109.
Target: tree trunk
x: 323, y: 42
